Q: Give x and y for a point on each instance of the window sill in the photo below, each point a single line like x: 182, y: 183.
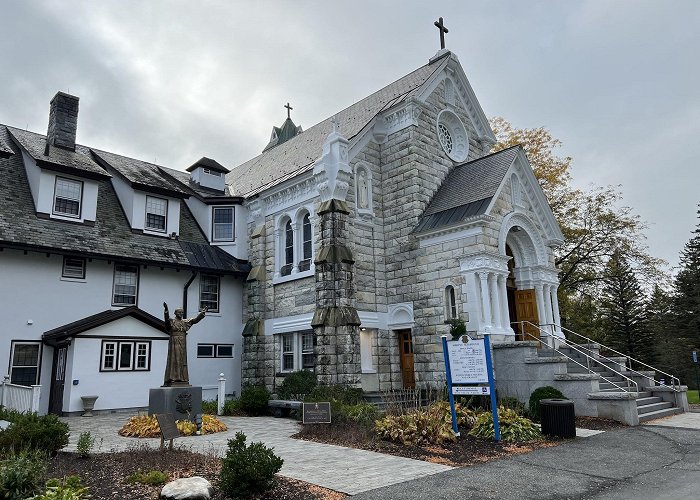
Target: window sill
x: 291, y: 277
x: 73, y: 280
x: 153, y: 232
x: 368, y: 371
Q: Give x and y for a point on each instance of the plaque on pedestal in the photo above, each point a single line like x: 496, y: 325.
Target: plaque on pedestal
x: 183, y: 402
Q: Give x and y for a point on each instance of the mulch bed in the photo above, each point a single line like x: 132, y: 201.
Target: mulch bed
x: 106, y: 475
x: 599, y: 424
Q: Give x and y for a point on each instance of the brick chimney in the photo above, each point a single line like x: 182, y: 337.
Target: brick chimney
x: 63, y: 122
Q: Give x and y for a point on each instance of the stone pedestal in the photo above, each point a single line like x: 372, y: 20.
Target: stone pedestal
x: 185, y: 403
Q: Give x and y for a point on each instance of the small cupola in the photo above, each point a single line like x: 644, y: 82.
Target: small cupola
x: 285, y: 132
x: 63, y: 122
x: 209, y: 173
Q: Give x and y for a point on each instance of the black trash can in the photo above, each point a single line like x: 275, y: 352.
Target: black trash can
x: 558, y: 418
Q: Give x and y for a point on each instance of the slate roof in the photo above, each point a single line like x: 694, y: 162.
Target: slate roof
x: 297, y: 155
x: 77, y: 162
x: 111, y: 237
x: 194, y: 188
x: 208, y: 163
x: 55, y: 335
x: 468, y: 190
x: 5, y: 150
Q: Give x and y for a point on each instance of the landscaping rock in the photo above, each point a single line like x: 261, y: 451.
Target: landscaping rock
x: 187, y: 488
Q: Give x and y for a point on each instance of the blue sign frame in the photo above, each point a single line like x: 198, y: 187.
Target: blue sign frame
x: 492, y: 387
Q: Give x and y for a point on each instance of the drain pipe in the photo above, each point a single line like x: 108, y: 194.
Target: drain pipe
x: 184, y: 293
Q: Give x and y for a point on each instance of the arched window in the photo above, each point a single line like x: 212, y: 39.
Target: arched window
x: 288, y: 249
x: 305, y: 262
x: 450, y: 303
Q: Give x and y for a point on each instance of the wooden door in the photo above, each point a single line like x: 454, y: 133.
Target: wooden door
x: 58, y: 379
x: 526, y: 310
x: 406, y: 356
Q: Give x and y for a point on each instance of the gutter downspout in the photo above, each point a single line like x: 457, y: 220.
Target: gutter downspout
x: 184, y: 293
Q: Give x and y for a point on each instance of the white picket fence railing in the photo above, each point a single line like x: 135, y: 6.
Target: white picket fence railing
x: 19, y: 397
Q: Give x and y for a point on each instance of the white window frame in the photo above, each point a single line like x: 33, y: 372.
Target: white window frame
x: 116, y: 346
x: 219, y: 355
x: 137, y: 356
x: 146, y: 227
x: 214, y: 224
x: 79, y: 199
x: 114, y: 286
x: 202, y: 301
x: 120, y: 358
x: 13, y: 366
x: 213, y: 351
x: 65, y: 269
x: 287, y: 351
x: 209, y: 171
x: 296, y: 266
x: 297, y: 351
x: 450, y: 303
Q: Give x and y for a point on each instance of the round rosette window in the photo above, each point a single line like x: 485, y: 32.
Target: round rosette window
x: 452, y: 135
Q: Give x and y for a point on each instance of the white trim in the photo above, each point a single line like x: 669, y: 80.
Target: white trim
x: 288, y: 324
x: 291, y: 277
x: 400, y: 316
x: 455, y: 233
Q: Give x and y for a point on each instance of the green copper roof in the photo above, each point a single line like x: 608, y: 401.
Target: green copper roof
x: 283, y: 133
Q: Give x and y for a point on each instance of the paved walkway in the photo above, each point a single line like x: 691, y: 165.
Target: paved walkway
x: 338, y: 468
x: 689, y: 420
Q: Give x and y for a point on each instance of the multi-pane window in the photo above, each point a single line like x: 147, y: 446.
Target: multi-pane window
x: 288, y: 249
x: 73, y: 268
x: 156, y: 213
x: 67, y: 197
x: 288, y: 352
x: 24, y: 363
x: 209, y: 292
x: 307, y: 350
x: 214, y: 350
x: 211, y: 172
x: 125, y: 356
x: 126, y: 279
x: 305, y: 263
x: 223, y: 224
x: 450, y: 303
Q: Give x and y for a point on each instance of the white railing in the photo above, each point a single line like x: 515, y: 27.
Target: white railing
x: 675, y: 381
x: 589, y: 359
x: 20, y: 397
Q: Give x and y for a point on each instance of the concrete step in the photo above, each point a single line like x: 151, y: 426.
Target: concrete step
x: 648, y: 400
x: 659, y: 414
x: 654, y: 407
x: 644, y: 394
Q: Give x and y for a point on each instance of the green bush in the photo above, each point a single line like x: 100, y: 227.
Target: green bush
x: 86, y: 441
x: 247, y: 470
x: 232, y: 406
x: 69, y: 488
x: 297, y: 385
x: 340, y: 393
x: 210, y: 407
x: 421, y: 426
x: 514, y: 404
x: 514, y: 428
x: 22, y: 475
x: 457, y: 328
x: 30, y: 431
x: 153, y: 478
x: 546, y: 392
x: 254, y: 399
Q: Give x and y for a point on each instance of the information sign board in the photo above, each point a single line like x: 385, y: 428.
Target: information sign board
x: 468, y: 362
x: 471, y: 391
x: 316, y: 413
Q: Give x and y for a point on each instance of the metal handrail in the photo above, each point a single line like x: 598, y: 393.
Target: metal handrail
x: 672, y: 378
x: 580, y: 351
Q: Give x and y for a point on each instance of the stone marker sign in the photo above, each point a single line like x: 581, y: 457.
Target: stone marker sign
x: 468, y: 362
x: 168, y: 428
x: 316, y: 413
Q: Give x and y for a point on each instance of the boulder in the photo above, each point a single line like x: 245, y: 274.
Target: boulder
x: 187, y: 488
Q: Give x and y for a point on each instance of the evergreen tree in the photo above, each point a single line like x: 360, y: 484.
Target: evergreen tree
x: 669, y: 350
x: 623, y: 311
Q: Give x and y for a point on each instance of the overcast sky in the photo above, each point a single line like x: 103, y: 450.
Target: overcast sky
x: 171, y: 81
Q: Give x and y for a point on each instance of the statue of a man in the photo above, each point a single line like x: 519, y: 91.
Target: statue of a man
x: 176, y: 373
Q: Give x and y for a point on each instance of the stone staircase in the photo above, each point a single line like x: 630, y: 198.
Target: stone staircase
x: 651, y: 402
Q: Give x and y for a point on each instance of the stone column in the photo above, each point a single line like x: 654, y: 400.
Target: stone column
x: 296, y: 245
x: 485, y: 300
x: 255, y: 359
x: 504, y: 303
x: 548, y: 308
x: 555, y: 310
x: 496, y: 301
x: 541, y: 310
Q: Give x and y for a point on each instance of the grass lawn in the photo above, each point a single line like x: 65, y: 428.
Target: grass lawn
x: 693, y: 397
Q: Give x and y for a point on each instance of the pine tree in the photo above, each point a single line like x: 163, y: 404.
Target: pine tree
x: 623, y: 307
x: 669, y: 349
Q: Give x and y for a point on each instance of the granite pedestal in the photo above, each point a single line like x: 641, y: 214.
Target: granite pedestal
x: 184, y: 402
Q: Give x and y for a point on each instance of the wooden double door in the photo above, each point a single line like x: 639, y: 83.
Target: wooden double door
x: 523, y: 312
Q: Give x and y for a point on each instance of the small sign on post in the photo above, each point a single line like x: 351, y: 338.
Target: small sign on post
x: 168, y: 428
x: 695, y: 357
x: 316, y: 413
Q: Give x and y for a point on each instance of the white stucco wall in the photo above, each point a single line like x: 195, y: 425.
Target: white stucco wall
x: 203, y: 214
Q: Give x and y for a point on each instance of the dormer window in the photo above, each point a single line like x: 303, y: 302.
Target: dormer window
x: 67, y: 197
x: 222, y: 229
x: 156, y: 214
x: 211, y: 172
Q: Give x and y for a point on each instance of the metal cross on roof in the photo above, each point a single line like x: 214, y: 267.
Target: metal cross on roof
x: 443, y: 30
x: 289, y: 109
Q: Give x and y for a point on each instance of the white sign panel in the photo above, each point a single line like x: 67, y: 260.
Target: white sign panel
x: 468, y: 362
x: 471, y: 391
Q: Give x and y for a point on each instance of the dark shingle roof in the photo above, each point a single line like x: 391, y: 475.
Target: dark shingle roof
x: 5, y: 150
x: 208, y: 163
x: 77, y: 162
x: 55, y: 335
x: 467, y: 191
x: 298, y: 154
x: 194, y: 188
x: 111, y: 236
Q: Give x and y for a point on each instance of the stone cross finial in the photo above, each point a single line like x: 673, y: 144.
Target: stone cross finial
x: 336, y: 124
x: 443, y: 30
x: 289, y: 109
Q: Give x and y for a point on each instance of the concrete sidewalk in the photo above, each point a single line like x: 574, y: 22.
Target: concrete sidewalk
x: 341, y: 469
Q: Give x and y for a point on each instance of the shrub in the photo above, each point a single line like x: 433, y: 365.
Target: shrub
x: 143, y: 426
x: 340, y: 393
x: 514, y: 404
x: 30, y: 431
x: 86, y: 441
x: 420, y: 426
x: 211, y: 425
x: 70, y: 488
x: 363, y: 413
x: 22, y: 475
x: 457, y: 328
x: 546, y: 392
x: 514, y: 428
x: 232, y: 406
x: 296, y: 385
x: 153, y: 478
x: 254, y: 399
x: 210, y: 407
x: 247, y: 470
x: 466, y: 417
